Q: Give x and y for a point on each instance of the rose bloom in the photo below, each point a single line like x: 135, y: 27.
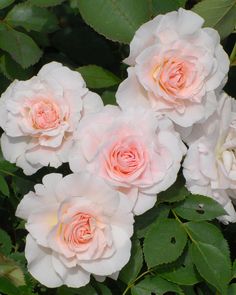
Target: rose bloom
x: 210, y: 164
x: 77, y: 226
x: 175, y: 67
x: 131, y: 150
x: 39, y: 116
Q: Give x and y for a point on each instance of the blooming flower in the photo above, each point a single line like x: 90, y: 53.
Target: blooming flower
x: 210, y: 164
x: 39, y: 116
x: 175, y: 67
x: 132, y: 150
x: 77, y: 226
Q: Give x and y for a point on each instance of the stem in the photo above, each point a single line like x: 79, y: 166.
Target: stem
x: 183, y: 225
x: 134, y: 281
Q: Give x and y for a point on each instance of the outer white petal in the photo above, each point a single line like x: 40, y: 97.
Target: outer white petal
x: 40, y: 264
x: 92, y: 103
x: 144, y: 203
x: 131, y: 94
x: 74, y: 277
x: 104, y: 267
x: 13, y: 147
x: 143, y: 38
x: 27, y: 205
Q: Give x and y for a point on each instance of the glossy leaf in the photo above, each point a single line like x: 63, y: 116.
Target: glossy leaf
x: 115, y: 19
x: 177, y: 192
x: 7, y: 287
x: 32, y: 18
x: 5, y: 3
x: 132, y: 269
x: 5, y: 243
x: 232, y: 289
x: 208, y: 233
x: 196, y: 207
x: 218, y: 14
x: 97, y: 77
x: 183, y: 274
x: 4, y: 186
x: 144, y: 221
x: 157, y: 285
x: 161, y: 7
x: 45, y: 3
x: 20, y: 46
x: 212, y: 265
x: 164, y: 242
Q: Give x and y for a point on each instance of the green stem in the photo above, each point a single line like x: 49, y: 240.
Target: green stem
x: 183, y: 225
x: 133, y: 282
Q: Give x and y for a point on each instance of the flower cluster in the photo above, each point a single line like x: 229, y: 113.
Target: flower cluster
x: 121, y: 156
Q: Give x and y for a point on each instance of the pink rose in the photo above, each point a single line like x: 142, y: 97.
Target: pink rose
x: 77, y: 226
x: 210, y: 163
x: 175, y: 67
x: 131, y: 150
x: 40, y: 116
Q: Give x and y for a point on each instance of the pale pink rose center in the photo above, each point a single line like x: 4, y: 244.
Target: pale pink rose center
x: 79, y: 230
x: 44, y: 114
x: 173, y: 75
x: 126, y: 158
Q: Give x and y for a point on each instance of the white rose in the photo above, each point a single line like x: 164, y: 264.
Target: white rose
x: 210, y: 163
x: 77, y: 226
x: 175, y: 67
x: 39, y: 116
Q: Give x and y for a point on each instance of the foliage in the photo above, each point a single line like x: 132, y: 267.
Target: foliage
x: 178, y: 246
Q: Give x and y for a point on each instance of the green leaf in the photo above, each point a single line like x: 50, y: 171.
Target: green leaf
x: 164, y: 242
x: 103, y: 289
x: 212, y: 265
x: 132, y: 269
x: 208, y: 233
x: 5, y: 3
x: 7, y: 287
x: 232, y: 289
x: 161, y: 7
x: 45, y: 3
x: 5, y: 243
x: 4, y: 186
x: 115, y: 19
x: 183, y: 274
x: 88, y: 290
x: 108, y: 97
x: 177, y: 192
x: 155, y: 285
x: 234, y: 270
x: 20, y: 46
x: 32, y: 18
x: 218, y: 14
x: 97, y: 77
x: 13, y: 70
x: 5, y: 166
x: 196, y: 207
x: 143, y: 222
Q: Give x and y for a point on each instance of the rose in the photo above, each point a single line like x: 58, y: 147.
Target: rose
x: 175, y: 67
x: 77, y: 226
x: 131, y: 150
x: 210, y: 164
x: 39, y: 116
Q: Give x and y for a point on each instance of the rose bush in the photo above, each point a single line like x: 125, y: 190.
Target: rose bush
x: 40, y: 116
x: 140, y: 212
x: 132, y: 150
x: 77, y: 226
